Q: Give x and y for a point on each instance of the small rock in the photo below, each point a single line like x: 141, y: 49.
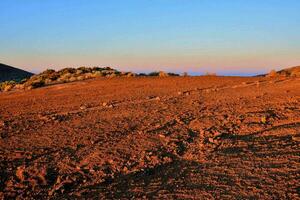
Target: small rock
x: 297, y: 139
x: 157, y: 98
x: 104, y: 104
x: 83, y: 107
x: 125, y: 169
x: 20, y: 173
x: 110, y: 161
x: 217, y: 134
x: 167, y: 159
x: 211, y: 140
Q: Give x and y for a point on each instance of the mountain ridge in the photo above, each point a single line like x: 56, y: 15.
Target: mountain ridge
x: 9, y: 73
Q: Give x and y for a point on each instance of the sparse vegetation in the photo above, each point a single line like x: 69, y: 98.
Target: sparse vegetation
x: 185, y: 74
x: 289, y: 72
x: 210, y: 74
x: 161, y: 74
x: 7, y: 86
x: 272, y: 73
x: 50, y: 77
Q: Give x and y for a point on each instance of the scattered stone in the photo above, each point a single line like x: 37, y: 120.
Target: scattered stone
x: 2, y: 123
x: 217, y: 134
x: 211, y: 140
x: 167, y: 159
x: 295, y: 138
x: 125, y: 170
x: 20, y: 173
x: 83, y: 107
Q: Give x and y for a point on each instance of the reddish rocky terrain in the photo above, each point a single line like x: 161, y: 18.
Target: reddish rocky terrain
x: 163, y: 138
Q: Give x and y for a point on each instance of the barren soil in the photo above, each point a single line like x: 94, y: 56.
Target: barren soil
x: 162, y: 138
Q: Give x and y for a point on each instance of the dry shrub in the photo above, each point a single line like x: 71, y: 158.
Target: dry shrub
x: 72, y: 79
x: 19, y: 86
x: 37, y: 83
x: 80, y: 78
x: 48, y: 81
x: 272, y: 73
x: 98, y: 74
x: 210, y: 74
x: 130, y: 74
x: 7, y: 86
x: 185, y: 74
x: 163, y: 74
x: 111, y: 75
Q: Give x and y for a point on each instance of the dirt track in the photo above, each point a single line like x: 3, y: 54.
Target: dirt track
x: 164, y: 138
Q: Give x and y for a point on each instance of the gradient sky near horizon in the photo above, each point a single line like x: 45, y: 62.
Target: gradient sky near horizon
x: 230, y: 37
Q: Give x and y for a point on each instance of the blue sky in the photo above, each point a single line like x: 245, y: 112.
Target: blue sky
x: 238, y: 37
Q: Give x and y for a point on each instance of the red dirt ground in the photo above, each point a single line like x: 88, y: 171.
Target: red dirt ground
x: 163, y: 138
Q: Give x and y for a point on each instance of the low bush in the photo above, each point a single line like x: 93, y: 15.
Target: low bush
x: 7, y: 86
x: 272, y: 73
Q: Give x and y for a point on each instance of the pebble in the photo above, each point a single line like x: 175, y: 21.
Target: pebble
x: 217, y: 134
x: 83, y: 107
x: 211, y: 140
x: 297, y: 139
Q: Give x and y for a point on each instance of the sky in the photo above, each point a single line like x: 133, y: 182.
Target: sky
x: 227, y: 37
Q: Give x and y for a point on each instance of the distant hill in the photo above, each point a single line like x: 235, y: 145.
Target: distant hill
x: 287, y: 72
x: 8, y: 73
